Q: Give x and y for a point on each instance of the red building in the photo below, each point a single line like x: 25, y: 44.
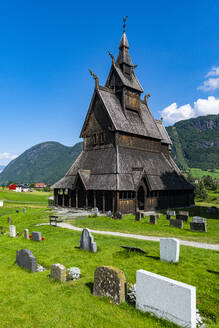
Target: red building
x: 39, y: 185
x: 13, y: 186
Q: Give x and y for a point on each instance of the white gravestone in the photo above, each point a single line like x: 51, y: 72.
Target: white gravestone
x: 26, y: 234
x: 198, y: 219
x: 171, y: 213
x: 12, y: 231
x: 87, y: 241
x: 166, y: 298
x: 169, y: 249
x: 1, y: 203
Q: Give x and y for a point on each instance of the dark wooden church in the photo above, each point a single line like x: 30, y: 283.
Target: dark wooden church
x: 125, y: 164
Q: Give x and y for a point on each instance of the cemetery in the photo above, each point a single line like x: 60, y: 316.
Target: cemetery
x: 99, y: 270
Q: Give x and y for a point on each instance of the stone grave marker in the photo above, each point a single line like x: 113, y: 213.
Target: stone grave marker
x: 58, y: 271
x: 138, y: 216
x: 170, y: 213
x: 1, y: 203
x: 198, y: 219
x: 36, y: 236
x: 25, y: 259
x: 87, y: 241
x: 153, y: 219
x: 166, y: 298
x: 26, y: 234
x: 133, y: 249
x: 109, y: 214
x: 176, y: 223
x: 183, y: 215
x: 110, y: 281
x: 95, y: 211
x: 17, y: 211
x: 169, y: 249
x: 117, y: 215
x: 24, y: 209
x: 9, y: 219
x: 12, y: 231
x: 196, y: 226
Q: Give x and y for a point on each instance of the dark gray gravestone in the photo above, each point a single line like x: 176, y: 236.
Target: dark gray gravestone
x: 87, y: 241
x: 153, y: 219
x: 137, y: 216
x: 36, y: 236
x: 176, y: 223
x: 25, y: 259
x: 196, y: 226
x: 182, y: 217
x: 117, y: 215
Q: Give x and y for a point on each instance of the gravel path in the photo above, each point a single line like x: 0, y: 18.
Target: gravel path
x: 128, y: 235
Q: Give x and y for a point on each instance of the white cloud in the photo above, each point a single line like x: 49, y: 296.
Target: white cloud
x: 212, y: 83
x: 201, y: 107
x: 5, y: 158
x: 213, y: 72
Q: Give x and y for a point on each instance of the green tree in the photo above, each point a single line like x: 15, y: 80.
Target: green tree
x: 200, y: 190
x: 190, y: 178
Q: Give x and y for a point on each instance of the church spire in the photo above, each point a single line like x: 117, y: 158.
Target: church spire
x: 124, y: 59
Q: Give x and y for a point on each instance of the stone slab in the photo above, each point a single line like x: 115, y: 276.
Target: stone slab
x: 25, y: 259
x: 153, y: 219
x: 111, y: 282
x: 198, y: 219
x: 166, y: 298
x: 182, y: 217
x: 26, y: 234
x: 176, y: 223
x: 195, y: 226
x: 133, y: 249
x: 58, y: 272
x: 36, y: 236
x: 171, y: 213
x: 12, y: 231
x: 87, y: 241
x: 169, y: 249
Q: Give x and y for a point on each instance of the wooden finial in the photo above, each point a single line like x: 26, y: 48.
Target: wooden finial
x: 133, y: 68
x: 146, y: 98
x: 124, y: 23
x: 95, y: 78
x: 111, y: 55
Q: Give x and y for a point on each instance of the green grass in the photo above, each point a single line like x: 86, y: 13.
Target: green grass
x: 33, y: 300
x: 25, y: 198
x: 199, y: 173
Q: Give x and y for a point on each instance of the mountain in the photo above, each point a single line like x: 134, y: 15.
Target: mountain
x: 1, y: 168
x: 46, y: 162
x: 196, y: 142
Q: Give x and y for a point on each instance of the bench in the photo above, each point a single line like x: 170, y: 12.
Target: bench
x: 55, y: 219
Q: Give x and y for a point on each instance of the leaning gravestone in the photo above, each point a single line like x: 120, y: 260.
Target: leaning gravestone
x: 110, y: 281
x: 196, y: 226
x: 95, y: 211
x: 169, y: 249
x: 176, y: 223
x: 153, y: 219
x: 36, y: 236
x: 87, y: 241
x: 26, y: 260
x: 12, y: 231
x: 26, y: 234
x: 58, y: 271
x: 166, y: 298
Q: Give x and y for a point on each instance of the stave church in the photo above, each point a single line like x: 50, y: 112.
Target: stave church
x: 126, y: 162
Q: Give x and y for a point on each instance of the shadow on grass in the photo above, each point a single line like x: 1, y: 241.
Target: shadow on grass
x: 211, y: 271
x: 90, y: 285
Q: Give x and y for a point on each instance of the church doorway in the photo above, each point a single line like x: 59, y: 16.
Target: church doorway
x: 140, y: 198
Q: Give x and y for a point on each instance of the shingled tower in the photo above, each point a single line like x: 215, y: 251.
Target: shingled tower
x: 125, y: 164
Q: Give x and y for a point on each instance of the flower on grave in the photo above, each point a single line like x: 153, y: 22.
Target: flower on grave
x: 30, y: 236
x: 42, y: 238
x: 73, y: 273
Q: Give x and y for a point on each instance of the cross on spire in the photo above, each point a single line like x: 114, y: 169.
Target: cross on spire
x: 124, y: 23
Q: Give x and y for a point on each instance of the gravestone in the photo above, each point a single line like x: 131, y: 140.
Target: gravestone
x: 166, y: 298
x: 109, y: 214
x: 58, y: 271
x: 25, y: 259
x: 26, y: 234
x: 1, y: 203
x: 9, y: 219
x: 87, y: 241
x: 95, y: 211
x: 36, y: 236
x: 110, y: 281
x: 183, y: 215
x: 24, y: 210
x: 12, y: 231
x: 176, y: 223
x: 153, y: 219
x: 138, y: 216
x: 133, y: 249
x: 170, y: 213
x: 117, y: 215
x: 169, y: 250
x: 198, y: 219
x: 196, y: 226
x: 17, y: 211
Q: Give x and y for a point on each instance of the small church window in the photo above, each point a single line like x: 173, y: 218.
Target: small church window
x: 95, y: 139
x: 101, y: 138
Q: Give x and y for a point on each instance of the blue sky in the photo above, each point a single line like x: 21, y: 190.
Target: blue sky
x: 46, y: 48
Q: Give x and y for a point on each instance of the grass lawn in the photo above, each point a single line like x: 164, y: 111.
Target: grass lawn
x: 34, y: 198
x: 199, y: 173
x: 33, y: 300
